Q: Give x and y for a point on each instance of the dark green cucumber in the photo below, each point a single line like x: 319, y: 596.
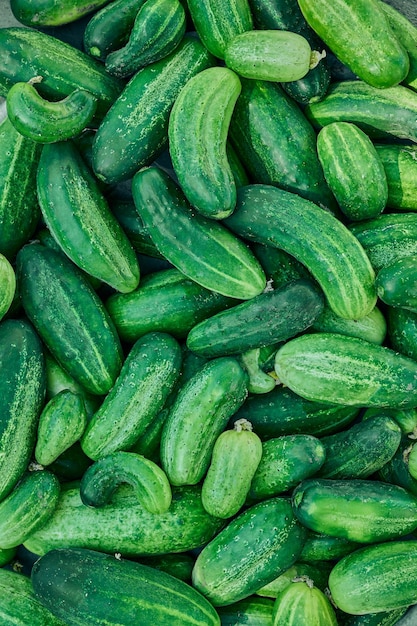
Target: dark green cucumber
x: 158, y: 29
x: 19, y: 209
x: 226, y: 571
x: 178, y: 565
x: 125, y: 527
x: 302, y: 601
x: 396, y: 471
x: 337, y: 261
x: 7, y: 285
x: 319, y: 547
x: 69, y: 317
x: 125, y: 212
x: 269, y: 318
x: 372, y: 327
x: 71, y: 464
x: 135, y: 131
x: 252, y: 611
x: 280, y: 267
x: 22, y: 378
x: 376, y: 578
x: 147, y: 377
x: 26, y: 53
x: 276, y: 142
x: 44, y: 121
x: 41, y: 13
x: 406, y: 31
x: 400, y: 165
x: 224, y: 263
x: 402, y: 331
x: 76, y: 585
x: 366, y: 511
x: 78, y: 216
x: 382, y: 618
x: 396, y: 283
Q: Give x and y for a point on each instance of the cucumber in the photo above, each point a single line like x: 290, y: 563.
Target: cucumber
x: 22, y: 377
x: 224, y: 263
x: 317, y: 572
x: 402, y: 331
x: 71, y: 464
x: 269, y: 318
x: 372, y: 327
x: 7, y: 285
x: 406, y: 32
x: 280, y: 267
x: 125, y: 212
x: 333, y: 368
x: 260, y: 380
x: 85, y: 586
x: 46, y: 12
x: 252, y: 611
x: 319, y: 547
x: 178, y: 565
x: 335, y: 258
x: 396, y: 283
x: 382, y: 618
x: 400, y: 167
x: 7, y: 556
x: 69, y: 317
x: 396, y: 471
x: 302, y: 602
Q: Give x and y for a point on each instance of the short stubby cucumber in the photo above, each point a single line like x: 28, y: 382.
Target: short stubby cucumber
x: 396, y: 283
x: 302, y: 602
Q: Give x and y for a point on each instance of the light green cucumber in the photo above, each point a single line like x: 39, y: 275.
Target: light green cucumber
x: 400, y: 165
x: 406, y: 31
x: 302, y: 602
x: 41, y: 13
x: 372, y: 327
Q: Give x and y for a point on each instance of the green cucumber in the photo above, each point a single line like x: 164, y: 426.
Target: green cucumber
x: 7, y: 285
x: 269, y: 318
x: 382, y: 618
x: 396, y: 471
x: 45, y: 122
x: 71, y: 464
x: 396, y: 283
x: 406, y: 32
x: 7, y: 556
x: 147, y: 377
x: 200, y: 412
x: 337, y: 261
x: 197, y: 131
x: 125, y: 212
x: 333, y: 368
x: 178, y: 565
x: 405, y: 418
x: 41, y: 13
x: 252, y: 611
x: 79, y: 218
x: 87, y: 587
x: 235, y: 458
x: 224, y: 263
x: 135, y: 131
x: 372, y: 327
x: 302, y: 602
x: 366, y: 511
x: 402, y: 331
x: 319, y: 547
x: 400, y: 165
x: 280, y: 267
x: 376, y: 578
x: 249, y: 552
x: 261, y: 380
x: 69, y: 317
x: 125, y: 527
x: 317, y: 572
x: 158, y: 29
x: 22, y: 377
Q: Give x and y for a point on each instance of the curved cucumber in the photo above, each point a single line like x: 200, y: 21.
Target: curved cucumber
x: 406, y: 32
x: 7, y: 285
x: 47, y: 13
x: 197, y: 131
x: 301, y: 601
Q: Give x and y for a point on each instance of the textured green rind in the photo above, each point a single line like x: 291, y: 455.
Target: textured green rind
x: 366, y: 511
x: 362, y: 449
x: 44, y: 121
x: 406, y: 32
x: 199, y: 414
x: 376, y: 578
x: 26, y: 53
x: 157, y: 30
x: 353, y: 170
x: 28, y: 507
x: 7, y: 556
x: 252, y: 611
x: 85, y: 586
x: 78, y: 216
x: 135, y: 131
x: 279, y: 218
x: 379, y: 112
x: 396, y: 283
x: 200, y: 247
x: 19, y: 210
x: 300, y: 603
x: 22, y: 379
x: 325, y: 548
x: 18, y: 602
x: 387, y: 238
x: 349, y: 29
x: 240, y: 559
x: 402, y: 331
x: 333, y: 368
x: 317, y: 572
x: 147, y: 377
x: 165, y: 301
x: 197, y: 130
x: 382, y: 618
x: 276, y: 142
x: 400, y: 165
x: 372, y: 327
x: 269, y: 318
x: 125, y: 526
x: 125, y: 212
x: 40, y: 13
x: 7, y: 285
x: 396, y: 471
x: 218, y: 21
x: 69, y: 317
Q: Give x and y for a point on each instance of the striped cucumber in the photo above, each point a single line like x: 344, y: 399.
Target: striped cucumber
x: 320, y: 547
x: 406, y: 31
x: 251, y: 610
x: 400, y: 165
x: 302, y: 602
x: 372, y: 327
x: 43, y: 13
x: 7, y: 285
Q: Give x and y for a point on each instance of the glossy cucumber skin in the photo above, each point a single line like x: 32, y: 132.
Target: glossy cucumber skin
x: 147, y: 376
x: 22, y: 377
x: 317, y: 572
x: 46, y: 12
x: 125, y: 526
x: 269, y: 318
x: 224, y: 264
x: 396, y: 283
x: 401, y: 169
x: 129, y: 591
x: 251, y: 610
x: 320, y: 547
x: 406, y: 32
x: 7, y: 285
x: 135, y: 131
x: 226, y: 571
x: 362, y: 582
x: 302, y: 601
x: 382, y: 618
x: 331, y: 254
x: 69, y: 317
x: 372, y: 327
x: 200, y: 412
x: 26, y: 53
x: 402, y: 331
x: 78, y: 216
x: 328, y: 367
x: 202, y: 113
x: 276, y: 142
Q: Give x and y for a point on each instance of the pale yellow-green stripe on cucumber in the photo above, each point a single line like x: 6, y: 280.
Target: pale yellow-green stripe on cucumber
x: 302, y: 602
x: 406, y: 31
x: 372, y: 327
x: 400, y: 165
x: 7, y: 285
x: 333, y: 368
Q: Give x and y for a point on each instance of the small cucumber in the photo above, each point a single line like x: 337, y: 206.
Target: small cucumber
x: 71, y: 464
x: 302, y: 602
x: 260, y: 381
x: 372, y: 327
x: 402, y: 331
x: 400, y: 165
x: 251, y: 610
x: 396, y: 283
x: 7, y: 285
x: 41, y: 13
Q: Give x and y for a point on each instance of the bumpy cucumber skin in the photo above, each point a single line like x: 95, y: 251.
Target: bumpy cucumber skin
x: 48, y: 13
x: 301, y: 601
x: 69, y: 317
x: 402, y: 331
x: 7, y: 285
x: 335, y: 258
x: 22, y: 377
x: 252, y: 610
x: 333, y: 368
x: 382, y: 618
x: 396, y: 283
x: 400, y: 165
x: 197, y: 131
x: 406, y: 32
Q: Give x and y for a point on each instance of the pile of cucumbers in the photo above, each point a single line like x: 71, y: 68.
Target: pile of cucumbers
x: 208, y: 314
